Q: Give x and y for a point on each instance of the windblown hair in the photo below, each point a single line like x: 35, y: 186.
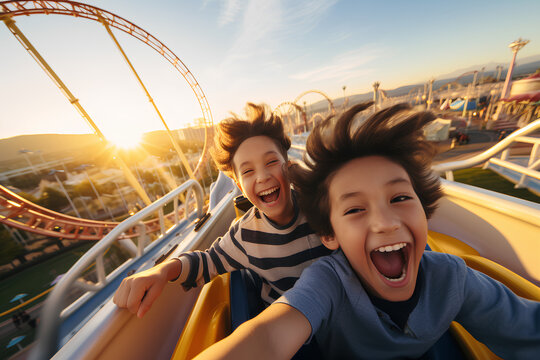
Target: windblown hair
x: 231, y: 132
x: 395, y: 133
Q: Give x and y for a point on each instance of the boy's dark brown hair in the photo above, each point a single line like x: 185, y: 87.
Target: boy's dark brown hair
x: 231, y: 132
x: 394, y: 133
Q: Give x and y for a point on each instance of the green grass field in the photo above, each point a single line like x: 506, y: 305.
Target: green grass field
x: 490, y: 180
x: 32, y: 281
x: 36, y: 279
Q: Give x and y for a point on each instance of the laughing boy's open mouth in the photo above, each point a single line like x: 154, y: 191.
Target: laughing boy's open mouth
x: 391, y: 261
x: 269, y: 195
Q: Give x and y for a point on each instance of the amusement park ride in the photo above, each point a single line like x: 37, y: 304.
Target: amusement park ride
x: 492, y: 232
x: 22, y: 214
x: 19, y: 213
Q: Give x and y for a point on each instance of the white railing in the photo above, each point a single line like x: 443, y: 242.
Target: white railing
x: 54, y: 313
x: 533, y: 164
x: 504, y: 147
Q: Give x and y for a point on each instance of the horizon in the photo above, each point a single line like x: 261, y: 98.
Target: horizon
x: 88, y: 133
x: 255, y: 51
x: 450, y: 75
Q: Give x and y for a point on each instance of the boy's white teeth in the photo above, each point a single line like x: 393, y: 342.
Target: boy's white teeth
x: 389, y: 248
x: 269, y: 191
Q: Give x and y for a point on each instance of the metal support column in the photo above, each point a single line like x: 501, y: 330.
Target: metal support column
x: 10, y: 23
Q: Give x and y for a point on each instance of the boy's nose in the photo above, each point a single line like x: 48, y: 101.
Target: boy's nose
x: 383, y: 221
x: 262, y: 176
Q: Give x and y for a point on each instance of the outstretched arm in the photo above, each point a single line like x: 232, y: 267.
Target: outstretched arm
x: 277, y: 333
x: 138, y: 292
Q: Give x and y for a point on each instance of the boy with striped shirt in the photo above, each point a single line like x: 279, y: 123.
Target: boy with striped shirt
x: 272, y: 239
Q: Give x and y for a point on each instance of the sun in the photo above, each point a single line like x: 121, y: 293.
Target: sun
x: 126, y: 139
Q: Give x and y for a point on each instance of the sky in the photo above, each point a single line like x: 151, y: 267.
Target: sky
x: 238, y: 51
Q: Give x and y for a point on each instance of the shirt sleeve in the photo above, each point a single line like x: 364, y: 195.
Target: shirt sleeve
x: 225, y: 255
x: 508, y: 324
x: 315, y: 294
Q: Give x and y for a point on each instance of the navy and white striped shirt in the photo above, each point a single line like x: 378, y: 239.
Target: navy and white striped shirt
x: 278, y: 254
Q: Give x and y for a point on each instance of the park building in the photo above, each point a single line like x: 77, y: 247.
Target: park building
x: 523, y: 103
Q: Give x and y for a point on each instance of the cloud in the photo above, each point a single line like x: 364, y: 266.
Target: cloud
x: 230, y: 10
x: 257, y: 54
x: 302, y: 16
x: 264, y: 24
x: 351, y: 64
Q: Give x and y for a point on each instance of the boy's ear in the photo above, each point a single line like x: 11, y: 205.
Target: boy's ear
x: 330, y: 242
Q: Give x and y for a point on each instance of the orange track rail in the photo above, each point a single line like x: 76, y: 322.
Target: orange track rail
x: 20, y: 213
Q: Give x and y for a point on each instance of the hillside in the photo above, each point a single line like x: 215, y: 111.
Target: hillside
x: 72, y: 145
x: 46, y: 143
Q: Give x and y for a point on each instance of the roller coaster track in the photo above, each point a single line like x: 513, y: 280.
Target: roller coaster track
x: 330, y: 102
x: 22, y: 214
x: 294, y: 106
x: 11, y: 9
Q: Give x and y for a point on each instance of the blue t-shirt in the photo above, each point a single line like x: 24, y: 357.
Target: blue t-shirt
x: 347, y: 325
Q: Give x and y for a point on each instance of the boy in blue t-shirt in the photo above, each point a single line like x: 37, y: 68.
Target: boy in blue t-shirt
x: 368, y: 191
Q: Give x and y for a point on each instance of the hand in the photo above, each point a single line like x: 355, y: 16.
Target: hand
x: 138, y: 292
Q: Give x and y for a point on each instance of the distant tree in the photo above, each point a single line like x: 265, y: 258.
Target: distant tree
x: 84, y: 188
x: 107, y: 188
x: 179, y: 170
x: 155, y: 189
x: 53, y: 199
x: 10, y: 248
x: 25, y: 182
x: 148, y: 177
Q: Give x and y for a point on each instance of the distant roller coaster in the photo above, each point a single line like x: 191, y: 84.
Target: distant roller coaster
x: 294, y: 106
x: 330, y: 103
x: 22, y: 214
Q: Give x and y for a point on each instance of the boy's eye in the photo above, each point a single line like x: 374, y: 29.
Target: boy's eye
x: 400, y: 198
x: 353, y: 211
x: 247, y: 171
x: 271, y: 162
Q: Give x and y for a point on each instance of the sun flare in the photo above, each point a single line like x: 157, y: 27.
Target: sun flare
x: 125, y: 139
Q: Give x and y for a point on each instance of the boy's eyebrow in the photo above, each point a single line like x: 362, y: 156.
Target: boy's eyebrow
x: 266, y: 153
x: 390, y: 182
